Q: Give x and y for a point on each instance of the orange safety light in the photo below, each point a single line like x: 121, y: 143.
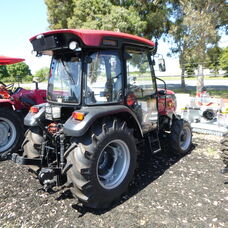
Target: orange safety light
x: 78, y: 115
x: 131, y: 99
x: 34, y: 109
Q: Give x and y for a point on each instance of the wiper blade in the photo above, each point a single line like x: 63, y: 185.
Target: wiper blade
x: 68, y: 73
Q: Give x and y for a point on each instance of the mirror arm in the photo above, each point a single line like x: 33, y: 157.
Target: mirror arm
x: 162, y: 81
x: 154, y: 50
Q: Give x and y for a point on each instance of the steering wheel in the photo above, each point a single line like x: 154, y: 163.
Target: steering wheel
x: 10, y: 86
x: 3, y: 83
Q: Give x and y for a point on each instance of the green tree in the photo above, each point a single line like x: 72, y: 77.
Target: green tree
x: 18, y: 71
x: 59, y: 12
x: 97, y: 14
x: 3, y: 72
x: 190, y: 68
x: 212, y: 60
x: 155, y: 14
x: 223, y: 60
x: 139, y: 17
x: 42, y: 73
x: 195, y: 26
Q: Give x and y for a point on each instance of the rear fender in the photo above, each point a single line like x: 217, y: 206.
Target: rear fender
x: 32, y: 119
x: 77, y: 128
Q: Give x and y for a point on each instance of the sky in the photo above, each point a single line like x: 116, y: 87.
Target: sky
x: 22, y: 19
x: 19, y: 21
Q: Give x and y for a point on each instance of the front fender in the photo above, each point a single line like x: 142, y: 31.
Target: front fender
x: 31, y: 119
x: 6, y: 101
x: 77, y: 128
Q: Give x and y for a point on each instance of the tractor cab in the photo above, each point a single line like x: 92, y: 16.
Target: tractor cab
x: 99, y: 68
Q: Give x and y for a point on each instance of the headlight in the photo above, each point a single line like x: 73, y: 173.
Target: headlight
x: 73, y: 45
x: 56, y: 112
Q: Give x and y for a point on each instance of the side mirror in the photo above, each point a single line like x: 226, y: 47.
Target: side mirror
x: 36, y: 79
x: 161, y: 65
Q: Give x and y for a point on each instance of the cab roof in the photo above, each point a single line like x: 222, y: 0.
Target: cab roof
x: 95, y: 37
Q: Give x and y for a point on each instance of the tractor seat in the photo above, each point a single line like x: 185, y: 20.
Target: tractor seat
x: 27, y: 100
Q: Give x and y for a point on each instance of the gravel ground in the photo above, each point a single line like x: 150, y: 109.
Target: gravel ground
x: 167, y: 192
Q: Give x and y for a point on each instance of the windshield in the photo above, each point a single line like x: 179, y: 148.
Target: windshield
x: 65, y: 80
x: 104, y: 78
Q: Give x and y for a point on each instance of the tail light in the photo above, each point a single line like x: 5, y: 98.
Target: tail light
x: 78, y: 115
x: 131, y: 99
x: 34, y: 110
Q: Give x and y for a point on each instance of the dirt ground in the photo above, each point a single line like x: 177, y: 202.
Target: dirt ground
x: 167, y: 192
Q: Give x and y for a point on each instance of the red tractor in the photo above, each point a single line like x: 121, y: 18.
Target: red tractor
x: 102, y: 105
x: 14, y: 105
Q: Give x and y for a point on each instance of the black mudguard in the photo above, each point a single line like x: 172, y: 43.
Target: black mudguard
x: 77, y: 128
x: 31, y: 119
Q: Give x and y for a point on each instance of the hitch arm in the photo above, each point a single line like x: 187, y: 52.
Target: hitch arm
x: 25, y: 161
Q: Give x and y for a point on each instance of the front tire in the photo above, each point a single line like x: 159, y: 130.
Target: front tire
x: 180, y: 137
x: 103, y: 164
x: 11, y: 132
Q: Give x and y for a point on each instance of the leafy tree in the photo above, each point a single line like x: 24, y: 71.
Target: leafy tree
x: 190, y: 68
x: 196, y: 26
x: 3, y: 72
x: 42, y: 74
x: 223, y: 60
x: 18, y: 71
x: 156, y: 15
x: 212, y: 60
x: 97, y: 14
x: 59, y: 12
x: 144, y: 18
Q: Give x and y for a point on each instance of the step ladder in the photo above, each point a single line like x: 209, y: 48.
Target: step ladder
x: 154, y: 142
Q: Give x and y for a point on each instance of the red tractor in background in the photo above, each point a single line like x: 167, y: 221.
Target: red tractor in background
x: 14, y: 105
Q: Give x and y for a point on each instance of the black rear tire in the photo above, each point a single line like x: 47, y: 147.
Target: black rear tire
x: 98, y: 172
x: 180, y: 137
x: 224, y: 149
x: 11, y: 132
x: 32, y: 144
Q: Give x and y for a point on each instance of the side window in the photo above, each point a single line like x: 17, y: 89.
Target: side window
x: 139, y: 74
x: 140, y: 88
x: 104, y: 78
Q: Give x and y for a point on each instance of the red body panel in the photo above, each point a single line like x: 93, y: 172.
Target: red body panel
x: 18, y: 99
x: 6, y: 101
x: 95, y: 37
x: 4, y: 93
x: 167, y: 103
x: 38, y: 96
x: 4, y: 60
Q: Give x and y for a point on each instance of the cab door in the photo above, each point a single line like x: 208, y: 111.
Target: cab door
x: 141, y: 89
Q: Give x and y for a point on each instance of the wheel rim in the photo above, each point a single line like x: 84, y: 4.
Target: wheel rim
x: 185, y: 138
x: 113, y: 164
x: 7, y: 134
